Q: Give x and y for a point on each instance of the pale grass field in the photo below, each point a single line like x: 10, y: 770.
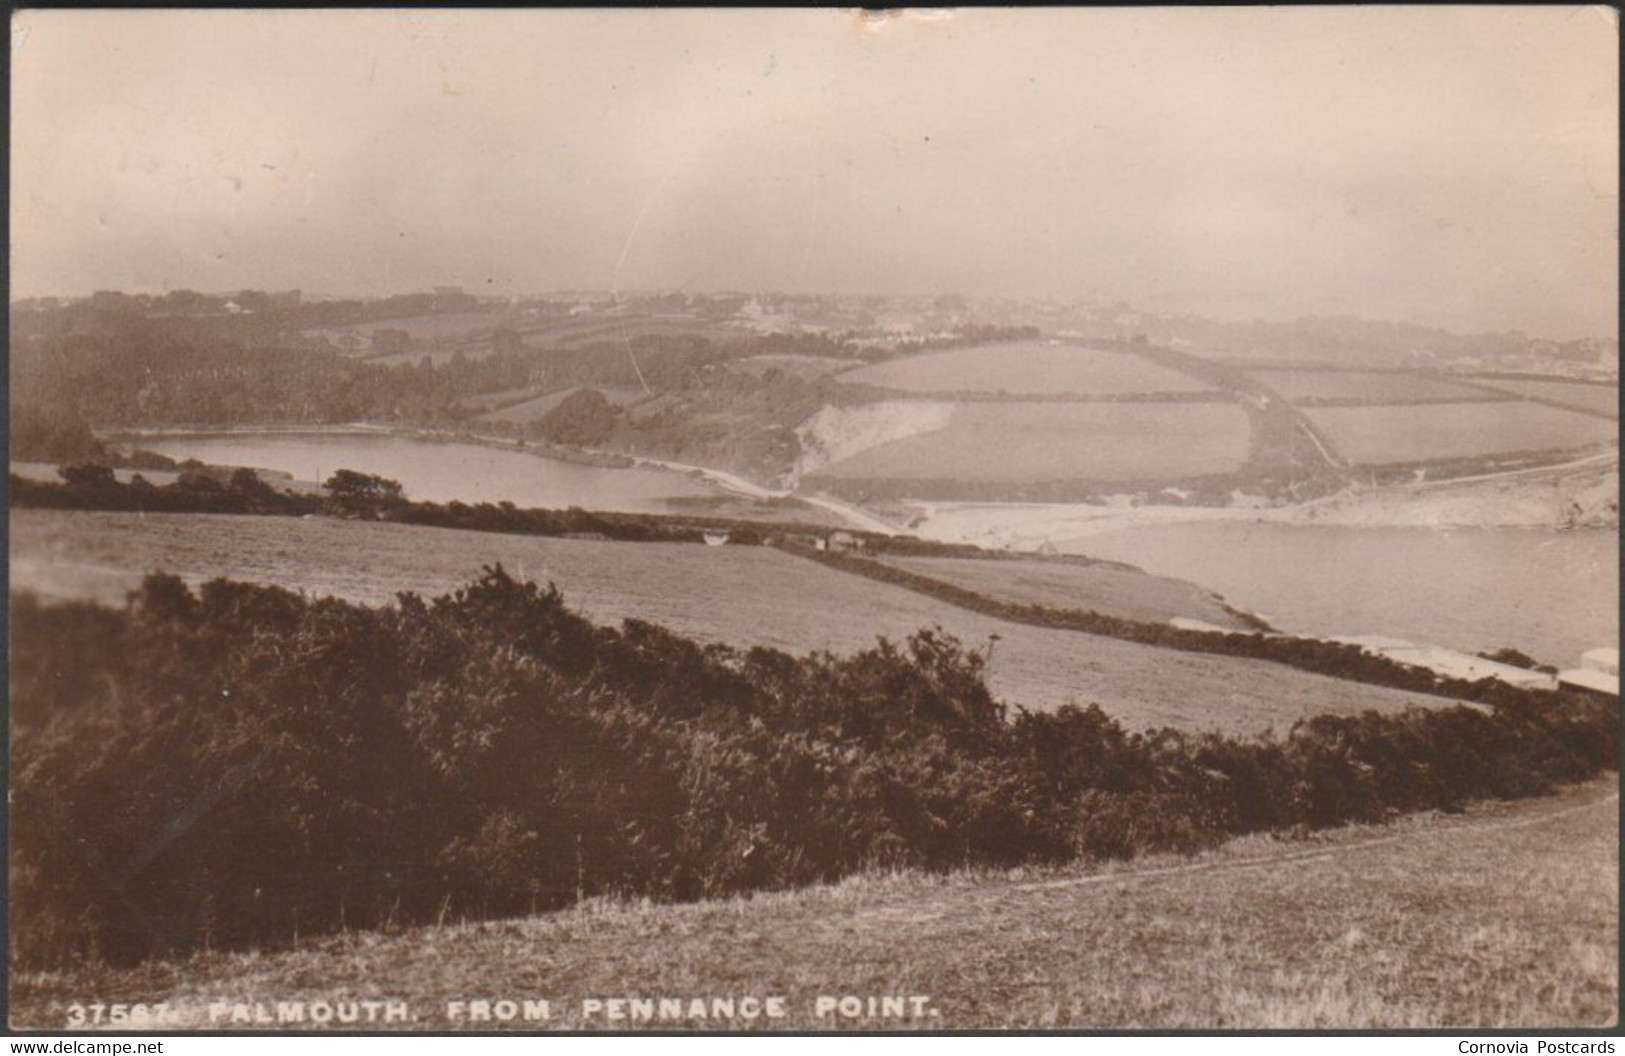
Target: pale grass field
x: 1379, y: 435
x: 1026, y: 368
x: 741, y: 596
x: 1599, y: 399
x: 1022, y: 443
x: 1502, y: 917
x: 1373, y: 386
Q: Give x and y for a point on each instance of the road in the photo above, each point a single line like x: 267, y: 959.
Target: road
x: 853, y: 515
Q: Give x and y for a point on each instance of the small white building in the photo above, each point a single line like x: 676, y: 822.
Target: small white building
x: 1604, y: 660
x: 844, y: 542
x: 1598, y: 673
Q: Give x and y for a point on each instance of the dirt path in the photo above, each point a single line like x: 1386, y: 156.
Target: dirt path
x: 1138, y: 876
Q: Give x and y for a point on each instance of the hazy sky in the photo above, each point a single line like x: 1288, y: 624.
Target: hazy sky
x: 1453, y: 166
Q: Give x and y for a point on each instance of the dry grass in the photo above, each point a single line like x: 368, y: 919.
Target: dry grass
x: 741, y: 596
x: 1504, y: 917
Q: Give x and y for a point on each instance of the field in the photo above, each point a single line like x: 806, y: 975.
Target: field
x: 434, y: 327
x: 741, y: 596
x: 440, y: 336
x: 1038, y: 442
x: 1364, y: 386
x: 1026, y: 368
x: 1067, y: 585
x: 808, y: 367
x: 1503, y: 917
x: 1379, y: 435
x: 1598, y: 399
x: 608, y: 326
x: 532, y: 409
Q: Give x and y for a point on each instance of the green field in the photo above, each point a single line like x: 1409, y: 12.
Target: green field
x: 1026, y: 368
x: 1598, y: 399
x: 1380, y: 435
x: 741, y: 596
x: 1017, y: 443
x: 1064, y: 584
x: 1364, y: 386
x: 1504, y: 917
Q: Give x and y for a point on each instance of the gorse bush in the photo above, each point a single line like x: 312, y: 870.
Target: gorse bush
x: 239, y: 765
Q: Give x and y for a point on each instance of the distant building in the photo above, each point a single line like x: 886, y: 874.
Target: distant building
x: 811, y: 542
x: 1184, y: 623
x: 844, y: 543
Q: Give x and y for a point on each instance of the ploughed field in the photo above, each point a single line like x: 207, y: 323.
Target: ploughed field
x: 1022, y: 443
x: 741, y: 596
x: 1026, y: 368
x: 1503, y: 917
x: 1428, y: 432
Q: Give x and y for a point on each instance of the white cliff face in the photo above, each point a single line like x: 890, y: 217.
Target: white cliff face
x: 838, y: 433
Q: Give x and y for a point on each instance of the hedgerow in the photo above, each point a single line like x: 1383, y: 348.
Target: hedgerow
x: 244, y: 493
x: 239, y: 765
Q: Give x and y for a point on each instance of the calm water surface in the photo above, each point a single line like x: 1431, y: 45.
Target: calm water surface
x: 444, y: 472
x: 1552, y: 594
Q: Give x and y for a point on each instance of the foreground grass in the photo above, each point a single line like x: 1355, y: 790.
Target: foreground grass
x: 1503, y: 917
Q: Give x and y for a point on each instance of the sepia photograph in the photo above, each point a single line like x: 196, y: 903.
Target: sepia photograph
x: 661, y: 520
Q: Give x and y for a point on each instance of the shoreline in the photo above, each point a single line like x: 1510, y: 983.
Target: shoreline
x: 1542, y: 498
x: 723, y: 481
x: 1480, y: 501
